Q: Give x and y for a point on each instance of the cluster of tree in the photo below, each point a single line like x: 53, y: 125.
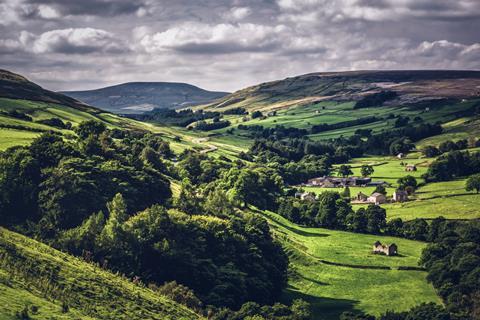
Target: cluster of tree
x: 62, y: 191
x: 299, y: 310
x: 208, y: 126
x: 256, y: 114
x: 375, y: 99
x: 345, y: 124
x: 446, y: 146
x: 226, y: 262
x: 424, y: 311
x: 453, y: 264
x: 453, y: 165
x: 56, y: 122
x: 17, y: 115
x: 275, y: 133
x: 180, y: 118
x: 236, y: 111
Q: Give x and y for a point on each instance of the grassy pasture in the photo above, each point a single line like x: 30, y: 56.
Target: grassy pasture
x: 448, y: 199
x: 333, y: 289
x: 34, y: 274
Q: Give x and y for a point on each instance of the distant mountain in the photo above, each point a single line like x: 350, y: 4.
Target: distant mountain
x: 15, y: 86
x: 138, y: 97
x: 407, y: 87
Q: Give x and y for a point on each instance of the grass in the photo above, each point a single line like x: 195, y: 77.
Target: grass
x: 356, y: 282
x: 33, y: 274
x: 448, y: 199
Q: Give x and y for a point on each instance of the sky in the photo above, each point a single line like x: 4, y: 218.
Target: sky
x: 227, y: 45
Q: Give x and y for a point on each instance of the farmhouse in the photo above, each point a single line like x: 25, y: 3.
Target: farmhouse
x: 410, y: 167
x: 377, y: 198
x: 400, y: 196
x: 389, y: 250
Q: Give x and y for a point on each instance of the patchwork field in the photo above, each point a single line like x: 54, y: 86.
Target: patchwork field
x: 335, y: 271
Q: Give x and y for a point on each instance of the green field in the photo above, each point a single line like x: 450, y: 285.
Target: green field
x: 35, y: 275
x: 360, y: 284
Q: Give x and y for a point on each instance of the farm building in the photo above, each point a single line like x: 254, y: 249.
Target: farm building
x: 336, y: 182
x: 400, y: 155
x: 410, y: 167
x: 308, y: 196
x: 400, y: 196
x: 361, y: 197
x: 377, y: 198
x: 389, y: 250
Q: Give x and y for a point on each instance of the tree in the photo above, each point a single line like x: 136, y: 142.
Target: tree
x: 376, y: 218
x: 407, y: 181
x: 380, y: 189
x: 431, y: 151
x: 473, y: 183
x: 344, y: 170
x: 346, y: 193
x: 90, y: 127
x: 256, y: 114
x: 117, y: 209
x: 366, y: 170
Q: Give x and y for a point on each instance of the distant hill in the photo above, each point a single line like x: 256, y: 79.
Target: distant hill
x: 137, y: 97
x: 409, y: 87
x: 15, y: 86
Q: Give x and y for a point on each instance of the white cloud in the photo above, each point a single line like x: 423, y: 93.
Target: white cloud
x: 237, y: 13
x: 73, y: 40
x: 221, y: 38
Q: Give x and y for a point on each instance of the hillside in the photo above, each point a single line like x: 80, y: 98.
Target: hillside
x: 410, y: 87
x: 15, y: 86
x: 137, y: 97
x: 336, y: 272
x: 51, y: 284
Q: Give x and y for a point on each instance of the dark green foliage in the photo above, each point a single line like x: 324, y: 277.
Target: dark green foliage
x: 55, y: 122
x: 299, y: 310
x: 179, y: 293
x: 181, y: 118
x: 453, y: 262
x: 473, y: 183
x: 238, y: 111
x: 431, y: 151
x: 375, y: 99
x: 345, y: 124
x: 208, y: 126
x: 407, y: 181
x: 366, y: 170
x: 344, y: 171
x: 452, y: 165
x: 19, y: 179
x: 256, y: 114
x: 90, y: 127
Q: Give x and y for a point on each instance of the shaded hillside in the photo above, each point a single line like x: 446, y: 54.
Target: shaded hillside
x: 49, y: 283
x: 15, y: 86
x: 409, y: 86
x: 135, y: 97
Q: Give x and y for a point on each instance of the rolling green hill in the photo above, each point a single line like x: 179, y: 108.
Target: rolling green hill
x: 335, y: 271
x: 53, y: 285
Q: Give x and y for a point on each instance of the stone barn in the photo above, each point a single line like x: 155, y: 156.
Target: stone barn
x: 410, y: 167
x: 377, y: 198
x: 400, y: 196
x: 388, y: 250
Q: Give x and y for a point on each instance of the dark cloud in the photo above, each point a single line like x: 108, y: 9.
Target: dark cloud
x: 229, y: 44
x: 92, y: 7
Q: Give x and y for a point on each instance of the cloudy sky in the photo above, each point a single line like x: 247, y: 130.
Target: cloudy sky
x: 230, y: 44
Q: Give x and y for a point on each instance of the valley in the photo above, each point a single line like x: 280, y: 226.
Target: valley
x: 169, y: 202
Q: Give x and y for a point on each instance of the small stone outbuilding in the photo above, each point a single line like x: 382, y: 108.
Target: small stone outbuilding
x: 388, y: 250
x: 400, y: 196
